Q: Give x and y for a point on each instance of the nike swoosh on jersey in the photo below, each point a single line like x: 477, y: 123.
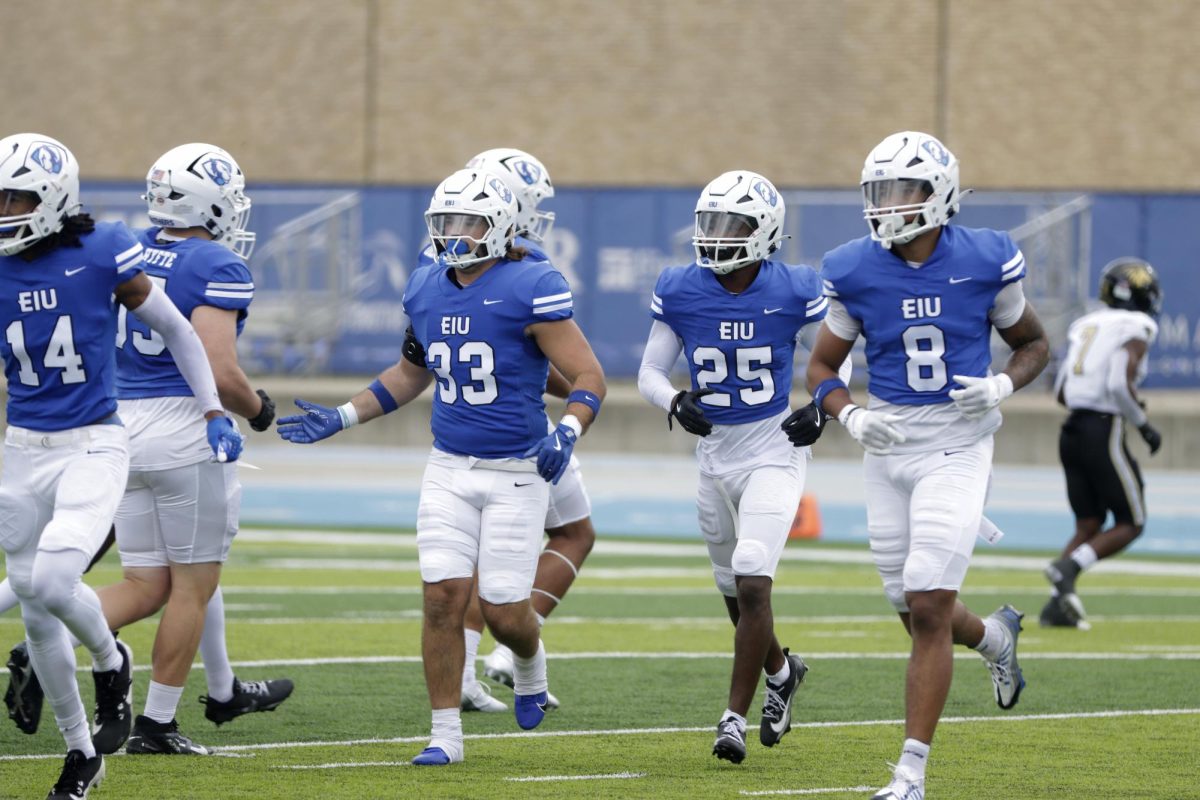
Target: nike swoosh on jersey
x: 771, y: 310
x: 959, y: 280
x: 71, y: 272
x: 492, y: 302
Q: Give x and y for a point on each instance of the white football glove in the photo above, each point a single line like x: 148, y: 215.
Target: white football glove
x: 981, y: 395
x: 876, y: 432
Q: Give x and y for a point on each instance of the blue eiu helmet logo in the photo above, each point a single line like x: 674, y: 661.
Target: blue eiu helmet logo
x: 500, y: 189
x: 936, y: 151
x: 218, y: 170
x: 527, y: 172
x: 768, y: 194
x: 48, y: 157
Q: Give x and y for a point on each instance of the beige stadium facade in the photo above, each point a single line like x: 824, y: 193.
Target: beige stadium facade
x: 1077, y: 94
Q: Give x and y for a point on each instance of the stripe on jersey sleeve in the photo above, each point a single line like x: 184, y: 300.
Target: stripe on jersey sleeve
x: 552, y: 302
x: 817, y: 307
x: 1013, y: 267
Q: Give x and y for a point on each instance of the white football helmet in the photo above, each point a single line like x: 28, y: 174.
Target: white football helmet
x: 529, y: 180
x: 201, y: 186
x: 739, y: 221
x: 908, y: 174
x: 39, y: 165
x: 472, y: 218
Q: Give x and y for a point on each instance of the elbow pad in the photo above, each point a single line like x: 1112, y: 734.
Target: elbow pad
x: 412, y: 349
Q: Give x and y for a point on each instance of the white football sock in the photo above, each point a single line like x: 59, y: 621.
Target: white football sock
x: 217, y: 671
x: 447, y: 732
x: 994, y: 641
x: 471, y: 640
x: 162, y: 701
x: 1085, y: 556
x: 913, y: 756
x: 780, y: 677
x: 529, y: 674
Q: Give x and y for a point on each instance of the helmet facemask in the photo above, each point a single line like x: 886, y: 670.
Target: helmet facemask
x: 899, y: 210
x: 724, y: 241
x: 461, y: 240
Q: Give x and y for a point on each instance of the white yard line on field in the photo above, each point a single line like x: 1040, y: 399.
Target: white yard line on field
x: 347, y: 764
x: 613, y: 776
x: 829, y: 555
x: 837, y: 790
x: 688, y: 591
x: 1145, y: 712
x: 1182, y: 654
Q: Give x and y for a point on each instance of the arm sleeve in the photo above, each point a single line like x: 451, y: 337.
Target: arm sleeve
x: 1008, y: 306
x: 662, y: 350
x: 1118, y: 385
x: 161, y: 315
x: 839, y: 321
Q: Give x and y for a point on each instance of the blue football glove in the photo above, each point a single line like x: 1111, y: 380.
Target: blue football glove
x: 224, y: 439
x: 554, y: 453
x: 316, y: 423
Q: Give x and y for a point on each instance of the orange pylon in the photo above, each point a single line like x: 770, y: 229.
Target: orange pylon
x: 807, y: 524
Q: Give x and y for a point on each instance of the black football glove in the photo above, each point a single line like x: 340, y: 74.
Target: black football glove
x: 686, y: 408
x: 266, y: 416
x: 1151, y: 436
x: 805, y: 425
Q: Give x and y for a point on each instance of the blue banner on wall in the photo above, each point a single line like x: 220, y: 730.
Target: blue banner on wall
x: 331, y: 263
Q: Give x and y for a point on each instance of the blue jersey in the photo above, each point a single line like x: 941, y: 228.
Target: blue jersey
x: 924, y: 325
x: 193, y: 272
x: 490, y: 375
x: 59, y: 322
x: 740, y: 345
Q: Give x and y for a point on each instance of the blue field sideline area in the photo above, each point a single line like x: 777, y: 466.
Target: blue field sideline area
x: 374, y: 487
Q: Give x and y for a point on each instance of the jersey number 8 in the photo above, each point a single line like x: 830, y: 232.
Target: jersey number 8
x: 925, y: 345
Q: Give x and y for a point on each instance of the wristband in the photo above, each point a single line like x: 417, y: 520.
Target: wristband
x: 571, y: 422
x: 585, y: 398
x: 386, y: 401
x: 825, y: 387
x: 348, y: 414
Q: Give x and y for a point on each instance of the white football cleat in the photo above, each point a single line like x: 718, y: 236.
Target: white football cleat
x: 904, y: 786
x: 478, y: 697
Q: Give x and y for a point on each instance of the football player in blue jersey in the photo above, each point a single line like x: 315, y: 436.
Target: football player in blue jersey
x: 485, y: 325
x: 195, y: 252
x: 568, y: 520
x: 925, y: 296
x: 66, y: 451
x: 735, y: 314
x: 179, y: 515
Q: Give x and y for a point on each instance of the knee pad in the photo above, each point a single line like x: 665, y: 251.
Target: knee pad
x: 502, y: 586
x: 928, y: 568
x: 751, y: 557
x: 726, y: 582
x: 18, y: 520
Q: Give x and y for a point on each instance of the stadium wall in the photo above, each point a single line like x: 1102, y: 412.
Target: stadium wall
x: 1081, y: 94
